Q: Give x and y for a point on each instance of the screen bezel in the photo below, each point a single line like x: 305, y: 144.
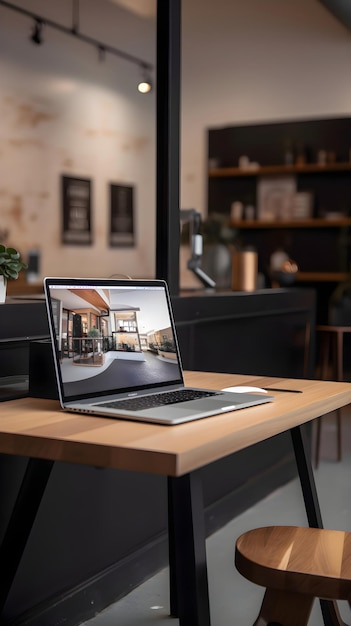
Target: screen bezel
x: 105, y: 283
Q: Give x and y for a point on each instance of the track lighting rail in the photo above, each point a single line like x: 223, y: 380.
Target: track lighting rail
x: 100, y: 46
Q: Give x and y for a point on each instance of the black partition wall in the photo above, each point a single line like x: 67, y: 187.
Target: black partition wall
x: 167, y: 142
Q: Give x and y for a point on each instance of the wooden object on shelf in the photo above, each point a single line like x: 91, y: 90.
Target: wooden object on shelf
x: 296, y: 565
x: 307, y: 168
x: 244, y: 270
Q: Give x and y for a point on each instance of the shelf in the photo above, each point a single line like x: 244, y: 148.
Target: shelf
x: 320, y: 242
x: 306, y: 223
x: 316, y: 277
x: 308, y: 168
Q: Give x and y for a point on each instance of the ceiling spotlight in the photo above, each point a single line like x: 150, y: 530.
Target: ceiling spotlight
x: 145, y: 84
x: 37, y: 36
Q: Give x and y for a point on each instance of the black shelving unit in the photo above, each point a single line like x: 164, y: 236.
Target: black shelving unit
x: 319, y: 245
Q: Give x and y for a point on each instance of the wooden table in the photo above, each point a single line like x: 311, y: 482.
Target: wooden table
x: 39, y: 430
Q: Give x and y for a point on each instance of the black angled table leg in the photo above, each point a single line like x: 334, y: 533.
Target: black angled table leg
x: 330, y: 611
x: 308, y: 485
x: 187, y: 551
x: 21, y: 521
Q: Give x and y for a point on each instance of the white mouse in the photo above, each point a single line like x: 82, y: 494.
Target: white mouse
x: 242, y: 389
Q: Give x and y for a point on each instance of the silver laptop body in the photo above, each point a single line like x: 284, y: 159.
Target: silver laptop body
x: 116, y: 353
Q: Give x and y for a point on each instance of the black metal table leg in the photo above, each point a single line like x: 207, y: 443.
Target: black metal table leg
x: 21, y: 521
x: 187, y: 551
x: 330, y: 611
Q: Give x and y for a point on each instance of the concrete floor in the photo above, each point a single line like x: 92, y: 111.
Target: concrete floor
x: 233, y: 599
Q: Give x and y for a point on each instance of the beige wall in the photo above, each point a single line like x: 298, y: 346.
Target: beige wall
x: 62, y: 111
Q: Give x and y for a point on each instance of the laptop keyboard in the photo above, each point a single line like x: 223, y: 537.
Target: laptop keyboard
x: 158, y: 399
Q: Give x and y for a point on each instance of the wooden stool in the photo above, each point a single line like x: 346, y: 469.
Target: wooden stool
x: 332, y: 353
x: 296, y: 565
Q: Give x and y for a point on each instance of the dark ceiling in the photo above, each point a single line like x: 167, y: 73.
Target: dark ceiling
x: 341, y: 9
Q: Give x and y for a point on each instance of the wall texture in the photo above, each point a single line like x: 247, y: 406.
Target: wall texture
x: 62, y: 111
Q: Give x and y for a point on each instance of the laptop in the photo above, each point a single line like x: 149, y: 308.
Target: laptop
x: 116, y: 353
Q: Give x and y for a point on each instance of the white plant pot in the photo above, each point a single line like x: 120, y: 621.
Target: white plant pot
x: 3, y: 285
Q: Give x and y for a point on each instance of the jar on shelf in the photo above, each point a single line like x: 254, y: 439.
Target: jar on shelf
x: 289, y: 153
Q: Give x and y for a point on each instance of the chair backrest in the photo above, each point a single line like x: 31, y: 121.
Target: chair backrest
x: 339, y: 311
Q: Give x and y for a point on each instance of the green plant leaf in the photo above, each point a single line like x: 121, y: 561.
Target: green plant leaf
x: 13, y: 253
x: 10, y: 263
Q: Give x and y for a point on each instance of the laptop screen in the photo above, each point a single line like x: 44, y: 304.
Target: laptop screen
x: 112, y: 336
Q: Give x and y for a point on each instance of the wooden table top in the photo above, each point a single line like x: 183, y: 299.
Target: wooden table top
x: 39, y: 428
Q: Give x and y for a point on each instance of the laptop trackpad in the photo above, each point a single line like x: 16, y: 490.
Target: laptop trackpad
x: 218, y: 402
x: 203, y: 406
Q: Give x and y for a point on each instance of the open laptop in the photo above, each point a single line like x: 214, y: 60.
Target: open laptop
x: 116, y: 353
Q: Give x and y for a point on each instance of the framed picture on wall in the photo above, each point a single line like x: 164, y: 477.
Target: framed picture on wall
x: 122, y: 232
x: 76, y: 210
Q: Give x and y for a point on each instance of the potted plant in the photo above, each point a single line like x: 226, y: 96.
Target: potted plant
x: 95, y: 335
x: 10, y: 267
x: 93, y: 332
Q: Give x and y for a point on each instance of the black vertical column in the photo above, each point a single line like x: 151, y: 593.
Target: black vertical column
x: 187, y: 551
x: 167, y: 142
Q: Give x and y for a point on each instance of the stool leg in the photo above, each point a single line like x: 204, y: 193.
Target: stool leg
x: 318, y: 441
x: 325, y: 357
x: 340, y: 356
x: 338, y: 422
x: 306, y: 358
x: 340, y: 376
x: 285, y: 608
x: 325, y: 354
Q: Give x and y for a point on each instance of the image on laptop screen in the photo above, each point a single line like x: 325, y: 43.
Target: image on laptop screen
x: 113, y: 338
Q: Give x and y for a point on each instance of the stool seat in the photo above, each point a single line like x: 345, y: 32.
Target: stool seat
x: 296, y: 565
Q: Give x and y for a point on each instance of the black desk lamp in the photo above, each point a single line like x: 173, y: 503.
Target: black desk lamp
x: 196, y: 245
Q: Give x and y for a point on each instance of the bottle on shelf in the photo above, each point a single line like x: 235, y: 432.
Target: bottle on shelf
x: 289, y: 153
x: 300, y: 158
